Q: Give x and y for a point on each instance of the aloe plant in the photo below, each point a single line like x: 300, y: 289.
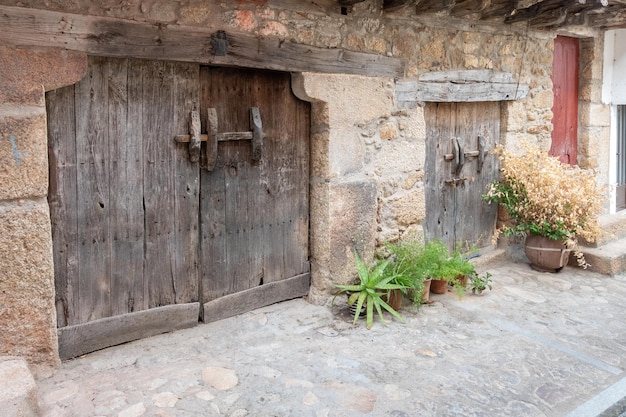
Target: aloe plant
x: 373, y: 284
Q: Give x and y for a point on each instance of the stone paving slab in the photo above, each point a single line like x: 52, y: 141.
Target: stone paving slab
x: 538, y: 344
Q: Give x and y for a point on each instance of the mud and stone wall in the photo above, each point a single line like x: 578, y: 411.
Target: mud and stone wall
x: 367, y: 155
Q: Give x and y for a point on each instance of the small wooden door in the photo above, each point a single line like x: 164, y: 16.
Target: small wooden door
x: 458, y: 169
x: 143, y: 237
x: 565, y: 107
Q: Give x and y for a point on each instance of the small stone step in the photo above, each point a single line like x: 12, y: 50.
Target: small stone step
x: 488, y: 256
x: 18, y: 391
x: 613, y: 228
x: 608, y: 259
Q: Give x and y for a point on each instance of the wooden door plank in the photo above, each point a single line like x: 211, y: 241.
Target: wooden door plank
x: 257, y: 297
x: 187, y: 185
x: 289, y: 173
x: 62, y: 197
x: 440, y: 117
x: 237, y: 173
x: 159, y: 203
x: 126, y: 206
x: 93, y: 193
x: 215, y: 279
x: 84, y: 338
x: 489, y: 129
x: 170, y: 196
x: 465, y: 208
x: 139, y: 298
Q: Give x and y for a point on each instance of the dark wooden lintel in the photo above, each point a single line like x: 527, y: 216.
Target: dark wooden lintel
x: 122, y: 38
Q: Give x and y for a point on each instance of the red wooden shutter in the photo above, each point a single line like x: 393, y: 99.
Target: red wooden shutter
x: 565, y: 107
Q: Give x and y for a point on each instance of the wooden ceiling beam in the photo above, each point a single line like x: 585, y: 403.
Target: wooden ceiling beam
x: 434, y: 6
x: 466, y: 7
x: 499, y: 9
x: 392, y: 5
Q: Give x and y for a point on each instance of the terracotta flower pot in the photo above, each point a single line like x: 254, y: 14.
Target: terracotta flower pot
x: 545, y: 254
x: 426, y: 295
x: 394, y: 299
x: 439, y: 286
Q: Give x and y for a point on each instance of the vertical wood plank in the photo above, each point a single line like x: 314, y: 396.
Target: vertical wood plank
x: 126, y: 206
x: 465, y: 211
x: 487, y: 126
x: 212, y: 207
x: 440, y: 119
x: 171, y: 92
x: 62, y: 199
x: 135, y: 141
x: 93, y: 193
x: 187, y: 185
x: 159, y: 179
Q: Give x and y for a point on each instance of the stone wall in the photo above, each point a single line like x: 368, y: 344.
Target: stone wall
x: 367, y: 155
x: 27, y: 313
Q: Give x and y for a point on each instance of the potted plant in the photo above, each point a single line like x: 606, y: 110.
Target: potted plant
x: 407, y: 268
x: 421, y: 262
x: 374, y: 284
x: 549, y: 203
x: 479, y: 283
x: 456, y: 271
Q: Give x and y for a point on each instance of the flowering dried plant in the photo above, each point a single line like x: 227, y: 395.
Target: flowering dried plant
x: 546, y: 197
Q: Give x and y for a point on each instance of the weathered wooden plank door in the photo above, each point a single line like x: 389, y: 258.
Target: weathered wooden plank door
x: 254, y: 214
x: 458, y: 169
x: 124, y: 202
x: 142, y: 237
x: 565, y: 107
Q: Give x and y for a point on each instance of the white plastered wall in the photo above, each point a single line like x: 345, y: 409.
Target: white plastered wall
x: 614, y: 92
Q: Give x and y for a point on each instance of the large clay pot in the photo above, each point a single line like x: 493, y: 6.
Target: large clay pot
x: 545, y: 254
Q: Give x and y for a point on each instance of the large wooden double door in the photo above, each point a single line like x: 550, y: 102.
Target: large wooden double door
x: 147, y: 239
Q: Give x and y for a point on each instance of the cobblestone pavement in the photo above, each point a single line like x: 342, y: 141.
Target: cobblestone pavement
x: 538, y: 344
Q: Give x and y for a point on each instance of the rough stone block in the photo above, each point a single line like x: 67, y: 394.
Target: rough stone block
x: 344, y: 218
x: 346, y: 152
x: 400, y: 156
x: 23, y: 152
x: 409, y: 208
x: 26, y: 74
x: 515, y: 116
x: 351, y: 99
x: 27, y: 312
x: 320, y: 161
x: 18, y: 391
x: 412, y: 124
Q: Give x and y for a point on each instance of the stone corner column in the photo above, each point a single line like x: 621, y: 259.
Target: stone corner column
x: 343, y: 198
x: 27, y: 307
